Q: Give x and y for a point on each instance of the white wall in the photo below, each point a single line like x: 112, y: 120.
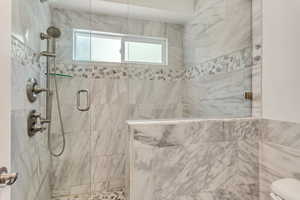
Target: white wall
x: 5, y: 98
x: 281, y: 64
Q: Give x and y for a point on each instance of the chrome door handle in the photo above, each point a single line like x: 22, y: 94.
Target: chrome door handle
x: 79, y: 107
x: 7, y: 179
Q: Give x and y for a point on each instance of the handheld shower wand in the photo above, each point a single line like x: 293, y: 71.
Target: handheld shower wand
x: 52, y: 34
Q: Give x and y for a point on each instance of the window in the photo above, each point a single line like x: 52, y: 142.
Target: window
x: 118, y: 48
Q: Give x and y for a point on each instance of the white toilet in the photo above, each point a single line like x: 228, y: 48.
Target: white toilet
x: 286, y: 189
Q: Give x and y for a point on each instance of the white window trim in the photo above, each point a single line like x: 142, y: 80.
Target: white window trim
x: 124, y: 38
x: 75, y: 32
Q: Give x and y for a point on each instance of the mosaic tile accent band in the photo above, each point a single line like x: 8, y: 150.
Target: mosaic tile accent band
x: 21, y: 53
x: 114, y: 195
x: 224, y: 64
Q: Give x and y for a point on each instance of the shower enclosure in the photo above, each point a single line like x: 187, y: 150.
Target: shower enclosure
x: 116, y: 61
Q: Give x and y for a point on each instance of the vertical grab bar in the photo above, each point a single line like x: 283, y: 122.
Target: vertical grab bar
x: 79, y: 102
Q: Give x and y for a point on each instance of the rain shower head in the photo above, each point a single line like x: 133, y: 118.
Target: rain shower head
x: 53, y: 31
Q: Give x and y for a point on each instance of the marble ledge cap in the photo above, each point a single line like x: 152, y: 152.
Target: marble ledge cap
x: 183, y: 120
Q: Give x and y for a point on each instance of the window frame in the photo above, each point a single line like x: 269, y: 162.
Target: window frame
x: 124, y: 38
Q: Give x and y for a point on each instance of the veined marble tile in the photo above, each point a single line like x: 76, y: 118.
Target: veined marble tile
x: 248, y: 162
x: 142, y: 188
x: 220, y: 96
x: 277, y: 162
x: 154, y: 92
x: 155, y: 111
x: 30, y: 159
x: 67, y: 20
x: 74, y: 120
x: 29, y: 19
x: 192, y: 169
x: 196, y: 160
x: 210, y: 34
x: 245, y: 192
x: 282, y: 133
x: 73, y: 168
x: 24, y: 67
x: 107, y: 91
x: 181, y: 134
x: 68, y: 88
x: 109, y: 132
x: 257, y: 91
x: 101, y: 168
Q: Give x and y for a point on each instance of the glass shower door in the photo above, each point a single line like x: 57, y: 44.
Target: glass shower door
x: 70, y: 173
x: 109, y: 100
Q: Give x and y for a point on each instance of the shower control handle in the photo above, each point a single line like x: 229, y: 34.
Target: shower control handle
x: 33, y: 89
x: 35, y: 123
x: 79, y: 107
x: 38, y: 90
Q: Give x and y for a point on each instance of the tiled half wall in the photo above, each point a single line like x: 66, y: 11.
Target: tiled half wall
x: 195, y: 159
x: 211, y: 159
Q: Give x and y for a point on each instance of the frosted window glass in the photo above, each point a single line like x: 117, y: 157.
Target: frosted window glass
x: 143, y: 52
x: 82, y: 51
x: 106, y: 49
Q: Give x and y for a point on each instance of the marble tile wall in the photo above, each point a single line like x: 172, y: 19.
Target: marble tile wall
x: 279, y: 153
x: 194, y: 159
x: 29, y: 19
x: 218, y: 96
x: 67, y: 20
x: 30, y: 157
x: 209, y: 36
x: 96, y: 140
x: 218, y: 28
x: 121, y: 92
x: 96, y: 163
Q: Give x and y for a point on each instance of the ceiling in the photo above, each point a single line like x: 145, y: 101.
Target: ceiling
x: 172, y: 11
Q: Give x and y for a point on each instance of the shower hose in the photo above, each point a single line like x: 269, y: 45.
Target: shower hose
x: 55, y: 154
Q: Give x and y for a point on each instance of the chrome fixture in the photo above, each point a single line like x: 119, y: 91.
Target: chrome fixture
x: 53, y: 32
x: 7, y: 179
x: 87, y: 107
x: 35, y: 121
x: 33, y: 89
